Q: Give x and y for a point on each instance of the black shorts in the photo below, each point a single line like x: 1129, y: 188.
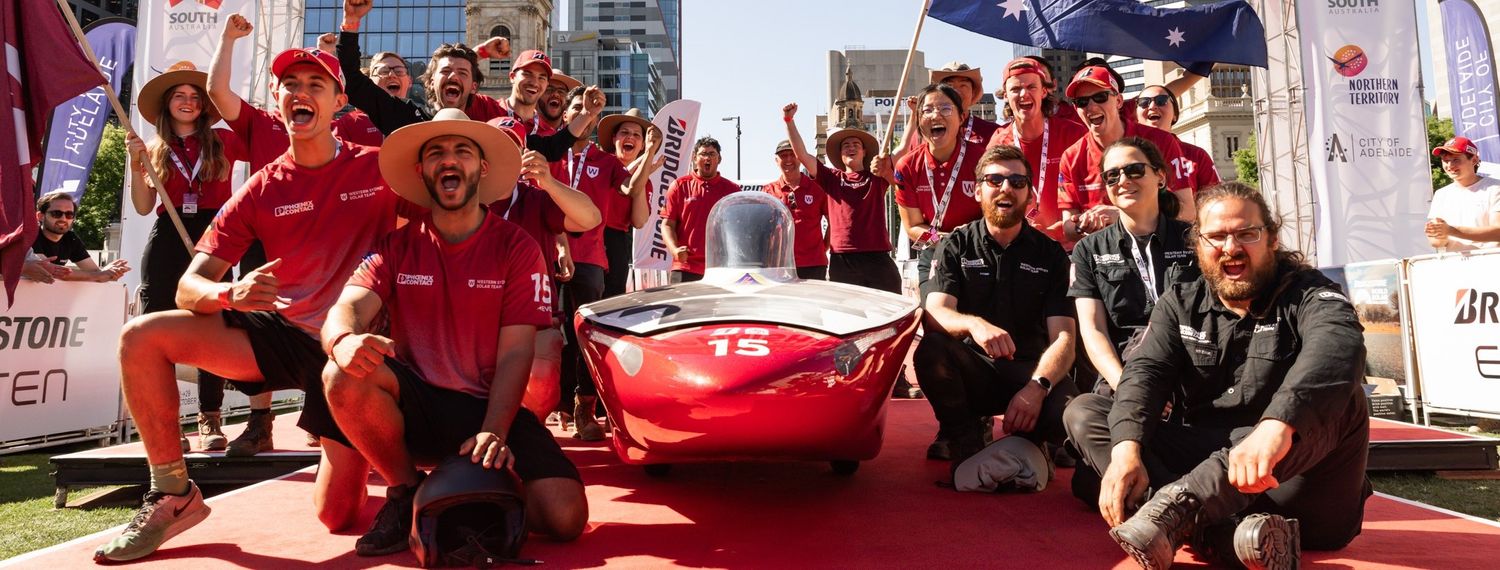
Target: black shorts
x: 289, y: 359
x: 439, y: 420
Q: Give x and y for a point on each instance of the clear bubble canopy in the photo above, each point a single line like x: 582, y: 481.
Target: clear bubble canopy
x: 750, y: 230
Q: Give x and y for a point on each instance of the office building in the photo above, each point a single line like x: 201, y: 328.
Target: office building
x: 655, y: 25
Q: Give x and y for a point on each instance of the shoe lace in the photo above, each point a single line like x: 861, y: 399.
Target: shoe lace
x: 1176, y: 515
x: 149, y: 503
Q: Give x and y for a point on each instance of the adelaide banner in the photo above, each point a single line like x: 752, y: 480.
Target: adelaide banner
x: 1471, y: 77
x: 58, y: 372
x: 1368, y: 144
x: 678, y: 122
x: 1455, y: 308
x: 78, y: 124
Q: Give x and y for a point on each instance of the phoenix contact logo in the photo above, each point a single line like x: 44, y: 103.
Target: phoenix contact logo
x: 290, y: 209
x: 1473, y: 306
x: 409, y: 279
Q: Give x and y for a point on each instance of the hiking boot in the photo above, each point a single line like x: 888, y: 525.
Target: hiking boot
x: 160, y: 518
x: 255, y: 439
x: 583, y: 416
x: 391, y: 529
x: 939, y: 449
x: 211, y: 432
x: 1153, y: 534
x: 1268, y: 542
x: 903, y: 390
x: 1061, y: 457
x: 560, y: 419
x: 186, y: 447
x: 968, y: 444
x: 313, y: 440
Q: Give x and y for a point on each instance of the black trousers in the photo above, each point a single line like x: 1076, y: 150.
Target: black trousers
x: 819, y: 272
x: 1322, y: 477
x: 586, y: 287
x: 162, y: 265
x: 873, y: 269
x: 963, y: 385
x: 618, y: 249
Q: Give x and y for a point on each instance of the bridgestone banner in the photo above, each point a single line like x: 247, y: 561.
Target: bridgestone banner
x: 58, y: 367
x: 1455, y: 307
x: 678, y: 122
x: 1366, y: 137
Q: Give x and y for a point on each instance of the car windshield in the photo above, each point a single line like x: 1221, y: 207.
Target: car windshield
x: 749, y: 230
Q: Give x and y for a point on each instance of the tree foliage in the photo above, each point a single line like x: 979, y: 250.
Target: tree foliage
x: 1438, y: 132
x: 1245, y: 164
x: 101, y: 200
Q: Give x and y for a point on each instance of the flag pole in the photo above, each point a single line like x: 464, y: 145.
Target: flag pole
x: 890, y: 128
x: 114, y: 100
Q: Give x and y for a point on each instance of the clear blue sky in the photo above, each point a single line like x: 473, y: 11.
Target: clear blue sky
x: 749, y: 58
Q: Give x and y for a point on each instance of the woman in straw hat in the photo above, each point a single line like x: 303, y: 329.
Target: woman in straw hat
x: 632, y: 139
x: 194, y: 163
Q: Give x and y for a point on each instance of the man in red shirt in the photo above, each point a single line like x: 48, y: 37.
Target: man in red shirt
x: 970, y: 87
x: 1096, y: 94
x: 684, y: 218
x: 555, y: 99
x: 461, y: 291
x: 1158, y: 107
x: 317, y: 209
x: 809, y: 206
x: 1042, y: 134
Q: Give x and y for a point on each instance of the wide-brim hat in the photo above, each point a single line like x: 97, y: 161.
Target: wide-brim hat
x: 148, y: 100
x: 569, y: 83
x: 956, y: 69
x: 610, y: 124
x: 401, y: 152
x: 836, y: 140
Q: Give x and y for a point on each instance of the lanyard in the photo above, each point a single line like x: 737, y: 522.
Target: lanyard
x: 938, y: 209
x: 583, y: 158
x: 1144, y: 265
x: 1042, y: 171
x: 189, y: 177
x: 515, y: 196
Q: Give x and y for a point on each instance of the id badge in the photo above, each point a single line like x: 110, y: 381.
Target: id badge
x: 190, y: 204
x: 929, y: 239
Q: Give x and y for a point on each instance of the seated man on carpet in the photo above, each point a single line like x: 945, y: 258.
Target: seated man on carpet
x: 999, y: 327
x: 460, y: 291
x: 1265, y: 357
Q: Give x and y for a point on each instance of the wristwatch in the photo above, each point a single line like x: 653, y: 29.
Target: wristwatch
x: 1044, y: 382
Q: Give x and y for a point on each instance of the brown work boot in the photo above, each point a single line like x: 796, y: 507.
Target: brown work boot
x: 211, y: 432
x: 255, y: 439
x: 583, y: 416
x: 1153, y: 534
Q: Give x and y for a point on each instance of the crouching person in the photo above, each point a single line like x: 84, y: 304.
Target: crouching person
x: 459, y: 290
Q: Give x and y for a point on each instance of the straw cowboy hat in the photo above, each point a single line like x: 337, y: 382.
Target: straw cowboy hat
x: 569, y: 83
x: 610, y: 124
x: 836, y: 140
x: 148, y: 101
x: 402, y: 149
x: 956, y: 69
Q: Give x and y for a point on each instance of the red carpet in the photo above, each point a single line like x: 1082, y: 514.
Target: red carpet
x: 778, y: 515
x: 1382, y: 430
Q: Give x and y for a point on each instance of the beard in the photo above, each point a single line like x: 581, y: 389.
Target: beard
x: 468, y: 184
x: 1004, y: 220
x: 1258, y: 279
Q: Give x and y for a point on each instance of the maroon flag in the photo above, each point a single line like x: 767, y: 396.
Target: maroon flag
x: 44, y: 67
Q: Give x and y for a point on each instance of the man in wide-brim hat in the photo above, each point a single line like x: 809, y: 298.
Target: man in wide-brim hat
x: 459, y: 288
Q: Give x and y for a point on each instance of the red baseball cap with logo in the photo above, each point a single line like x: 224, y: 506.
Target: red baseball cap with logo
x: 327, y: 61
x: 510, y: 126
x: 532, y: 57
x: 1025, y: 65
x: 1096, y: 75
x: 1457, y: 145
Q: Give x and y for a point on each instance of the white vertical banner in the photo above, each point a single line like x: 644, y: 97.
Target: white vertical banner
x: 678, y: 122
x: 1366, y: 135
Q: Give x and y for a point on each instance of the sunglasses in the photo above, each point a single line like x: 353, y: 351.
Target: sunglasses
x: 1134, y: 171
x: 69, y: 214
x: 1158, y: 100
x: 1101, y: 98
x: 1014, y: 180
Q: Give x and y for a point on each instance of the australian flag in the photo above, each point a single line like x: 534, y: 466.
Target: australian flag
x: 1227, y: 32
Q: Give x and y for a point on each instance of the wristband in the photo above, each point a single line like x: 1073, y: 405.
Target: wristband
x: 786, y: 118
x: 335, y: 342
x: 224, y: 298
x: 481, y: 52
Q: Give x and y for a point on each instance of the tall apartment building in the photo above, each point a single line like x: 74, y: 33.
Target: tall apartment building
x: 1063, y: 62
x: 656, y: 25
x: 620, y: 67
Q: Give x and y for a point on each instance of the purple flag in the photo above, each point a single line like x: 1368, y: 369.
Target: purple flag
x: 1471, y: 75
x: 78, y: 124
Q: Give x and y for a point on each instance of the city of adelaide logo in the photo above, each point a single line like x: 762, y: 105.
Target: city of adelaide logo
x: 1335, y: 149
x: 1349, y: 60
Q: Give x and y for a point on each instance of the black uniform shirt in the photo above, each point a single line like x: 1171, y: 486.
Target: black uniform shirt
x: 68, y: 248
x: 1301, y: 361
x: 1015, y: 288
x: 1105, y: 268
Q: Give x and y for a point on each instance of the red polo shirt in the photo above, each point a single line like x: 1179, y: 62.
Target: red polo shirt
x: 536, y: 213
x: 914, y: 190
x: 1197, y: 166
x: 1061, y: 134
x: 599, y: 175
x: 264, y: 134
x: 809, y: 205
x: 689, y: 200
x: 1083, y: 186
x: 856, y: 210
x: 211, y: 193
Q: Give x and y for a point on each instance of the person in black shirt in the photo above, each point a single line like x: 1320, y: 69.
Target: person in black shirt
x: 55, y: 213
x: 1120, y: 271
x: 999, y: 330
x: 1265, y: 356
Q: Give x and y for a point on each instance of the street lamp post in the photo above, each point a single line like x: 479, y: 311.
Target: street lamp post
x: 737, y: 161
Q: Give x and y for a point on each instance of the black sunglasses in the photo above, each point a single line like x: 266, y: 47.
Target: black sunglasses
x: 1101, y: 98
x: 1134, y: 171
x: 1015, y: 180
x: 1159, y: 100
x: 69, y: 214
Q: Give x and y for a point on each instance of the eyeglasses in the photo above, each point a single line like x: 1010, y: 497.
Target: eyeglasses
x: 1101, y: 98
x: 1158, y: 100
x: 1133, y: 171
x: 1014, y: 180
x: 1247, y: 236
x: 939, y: 110
x: 396, y: 71
x: 69, y: 214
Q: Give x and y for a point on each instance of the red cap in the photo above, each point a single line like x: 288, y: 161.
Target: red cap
x: 532, y: 57
x: 1025, y: 65
x: 1096, y: 75
x: 327, y: 61
x: 1457, y: 145
x: 510, y: 126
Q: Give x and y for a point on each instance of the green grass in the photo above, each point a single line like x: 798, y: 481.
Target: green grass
x: 1477, y: 498
x: 28, y: 521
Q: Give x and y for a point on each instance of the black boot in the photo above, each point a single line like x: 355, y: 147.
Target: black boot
x: 1268, y: 542
x: 391, y: 529
x: 1153, y: 534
